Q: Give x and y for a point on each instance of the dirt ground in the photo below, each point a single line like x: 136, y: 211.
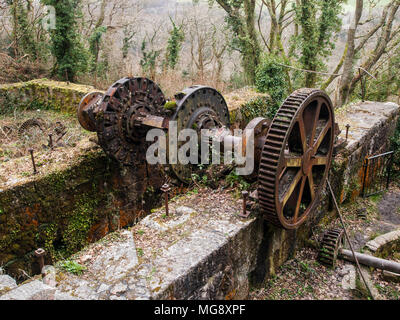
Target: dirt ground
x: 304, y: 278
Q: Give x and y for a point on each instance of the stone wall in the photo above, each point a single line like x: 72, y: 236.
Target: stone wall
x: 371, y: 126
x: 83, y: 198
x: 65, y: 209
x: 42, y: 94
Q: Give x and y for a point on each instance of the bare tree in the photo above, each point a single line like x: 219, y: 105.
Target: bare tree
x: 281, y: 17
x: 379, y: 39
x: 200, y: 39
x: 219, y: 47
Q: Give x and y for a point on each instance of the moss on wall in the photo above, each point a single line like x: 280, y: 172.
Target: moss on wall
x: 42, y: 94
x: 65, y: 210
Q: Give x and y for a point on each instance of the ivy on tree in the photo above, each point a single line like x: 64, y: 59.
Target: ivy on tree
x: 241, y: 20
x: 94, y: 46
x: 66, y: 46
x: 319, y: 21
x: 176, y: 37
x: 27, y: 38
x: 271, y: 79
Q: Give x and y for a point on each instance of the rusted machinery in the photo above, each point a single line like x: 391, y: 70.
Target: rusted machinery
x: 292, y: 152
x: 332, y: 248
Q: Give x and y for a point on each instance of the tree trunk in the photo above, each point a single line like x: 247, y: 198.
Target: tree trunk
x: 348, y: 65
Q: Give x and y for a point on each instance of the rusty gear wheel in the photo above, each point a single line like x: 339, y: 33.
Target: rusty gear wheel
x: 198, y: 107
x: 332, y: 241
x: 115, y: 120
x: 36, y: 123
x: 296, y: 158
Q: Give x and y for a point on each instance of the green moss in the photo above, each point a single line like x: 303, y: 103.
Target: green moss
x: 72, y: 267
x: 55, y: 212
x: 257, y: 107
x: 79, y: 223
x: 170, y: 105
x: 42, y: 94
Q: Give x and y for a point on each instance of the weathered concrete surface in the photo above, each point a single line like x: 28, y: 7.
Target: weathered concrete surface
x: 207, y: 256
x: 349, y: 278
x: 385, y: 243
x: 7, y: 283
x: 34, y: 290
x: 371, y: 126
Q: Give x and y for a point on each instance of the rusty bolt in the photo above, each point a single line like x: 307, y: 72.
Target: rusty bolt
x: 347, y: 130
x: 245, y: 195
x: 33, y: 160
x: 39, y: 253
x: 166, y: 189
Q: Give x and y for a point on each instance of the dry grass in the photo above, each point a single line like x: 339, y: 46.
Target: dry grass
x: 17, y: 136
x: 21, y: 69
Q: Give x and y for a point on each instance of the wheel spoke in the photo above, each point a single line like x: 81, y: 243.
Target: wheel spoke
x: 311, y: 184
x: 303, y: 135
x: 316, y: 117
x: 321, y: 136
x: 319, y: 161
x: 291, y: 188
x: 293, y: 162
x: 296, y: 213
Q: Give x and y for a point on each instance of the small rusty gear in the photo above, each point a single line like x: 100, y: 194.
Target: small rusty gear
x: 332, y: 241
x: 32, y: 123
x: 296, y: 158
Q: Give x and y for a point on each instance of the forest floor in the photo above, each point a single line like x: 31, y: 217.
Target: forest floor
x: 304, y: 278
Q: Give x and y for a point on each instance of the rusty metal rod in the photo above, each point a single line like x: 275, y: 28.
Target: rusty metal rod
x: 166, y: 204
x: 33, y: 161
x: 348, y: 238
x: 51, y: 140
x: 370, y: 261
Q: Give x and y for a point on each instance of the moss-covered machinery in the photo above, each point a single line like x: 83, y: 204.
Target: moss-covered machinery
x: 292, y: 152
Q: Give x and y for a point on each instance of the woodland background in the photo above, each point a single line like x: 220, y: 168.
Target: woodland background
x: 348, y: 47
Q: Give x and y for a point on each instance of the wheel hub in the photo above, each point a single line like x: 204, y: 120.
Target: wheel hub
x: 306, y: 161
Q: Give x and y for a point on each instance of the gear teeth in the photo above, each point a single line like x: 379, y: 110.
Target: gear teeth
x: 272, y: 150
x: 116, y: 102
x: 332, y: 241
x: 271, y: 154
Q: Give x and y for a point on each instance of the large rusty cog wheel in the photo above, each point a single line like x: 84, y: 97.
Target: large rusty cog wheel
x: 125, y: 99
x: 296, y: 158
x: 198, y: 107
x: 332, y: 241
